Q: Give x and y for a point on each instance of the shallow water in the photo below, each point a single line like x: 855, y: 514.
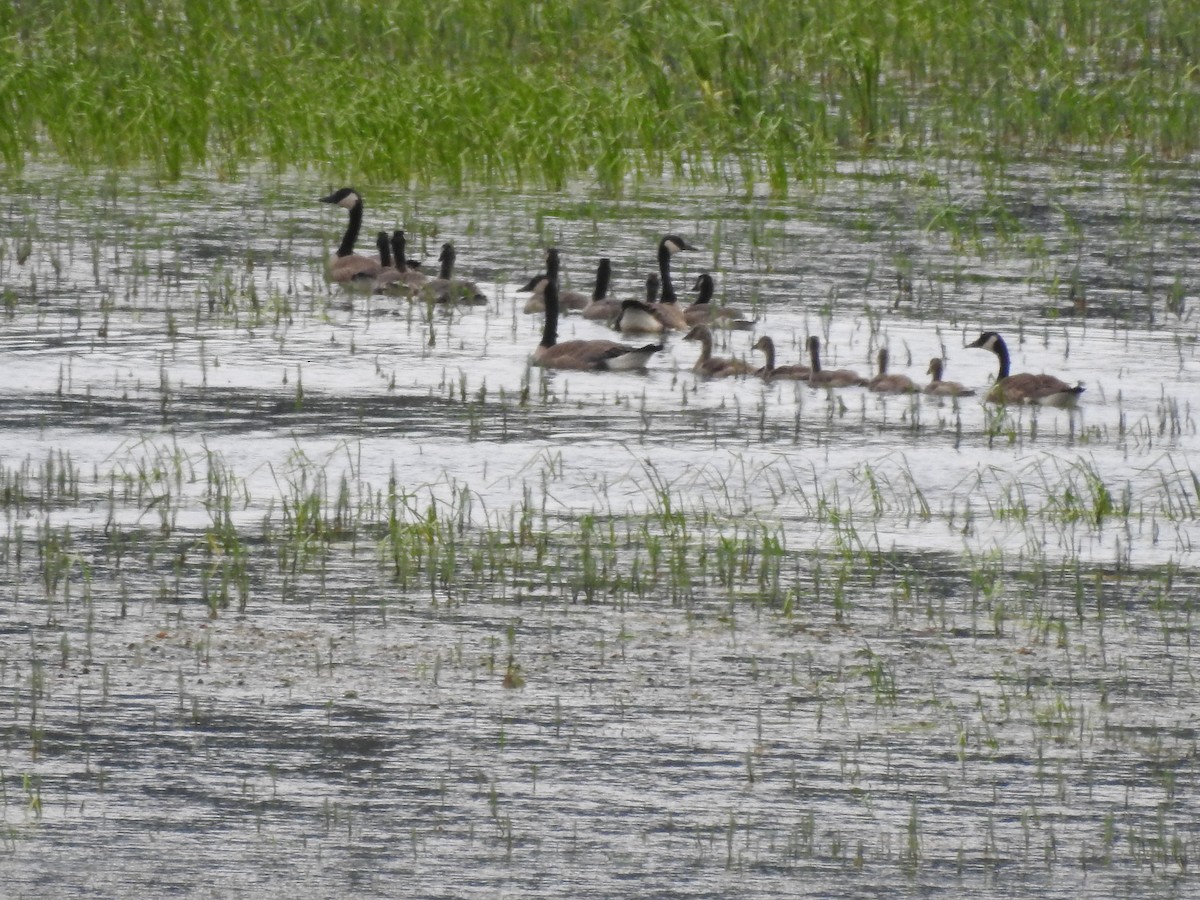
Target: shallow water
x: 759, y: 640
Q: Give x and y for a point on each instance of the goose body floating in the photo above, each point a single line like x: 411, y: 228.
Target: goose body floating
x: 404, y: 275
x: 771, y: 372
x: 1024, y: 387
x: 939, y: 388
x: 702, y: 312
x: 345, y: 265
x: 648, y: 317
x: 884, y: 383
x: 448, y: 289
x: 833, y: 378
x: 595, y: 355
x: 709, y: 365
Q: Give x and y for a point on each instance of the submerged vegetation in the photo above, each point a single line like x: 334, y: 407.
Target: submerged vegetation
x: 503, y: 90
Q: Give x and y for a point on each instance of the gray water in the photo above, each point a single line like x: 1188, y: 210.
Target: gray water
x: 681, y: 637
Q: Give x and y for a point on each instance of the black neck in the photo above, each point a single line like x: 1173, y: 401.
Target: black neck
x: 352, y: 229
x: 385, y: 253
x: 603, y: 274
x: 706, y: 288
x: 447, y: 263
x: 1001, y: 351
x: 550, y: 299
x: 664, y: 274
x: 769, y: 352
x: 814, y: 353
x: 399, y: 249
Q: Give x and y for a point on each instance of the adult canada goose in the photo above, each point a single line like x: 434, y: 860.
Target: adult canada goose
x: 1024, y: 387
x: 702, y: 312
x: 403, y: 277
x: 587, y: 355
x: 771, y: 372
x: 707, y: 364
x: 638, y: 317
x: 835, y: 378
x: 448, y: 289
x: 883, y: 383
x: 572, y: 299
x: 345, y: 265
x: 940, y: 388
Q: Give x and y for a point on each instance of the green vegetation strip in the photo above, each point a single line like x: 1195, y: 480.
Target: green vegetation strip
x: 509, y: 91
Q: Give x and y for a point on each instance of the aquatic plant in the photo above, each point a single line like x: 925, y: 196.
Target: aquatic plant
x: 479, y: 91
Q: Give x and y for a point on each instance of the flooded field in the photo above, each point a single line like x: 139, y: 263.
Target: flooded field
x: 306, y: 592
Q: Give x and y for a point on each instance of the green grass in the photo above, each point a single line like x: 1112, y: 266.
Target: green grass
x: 473, y: 91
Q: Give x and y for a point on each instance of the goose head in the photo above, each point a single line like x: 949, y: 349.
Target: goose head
x: 673, y: 243
x: 703, y: 286
x: 346, y: 197
x: 989, y: 340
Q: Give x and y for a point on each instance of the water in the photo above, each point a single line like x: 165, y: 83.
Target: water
x: 659, y: 636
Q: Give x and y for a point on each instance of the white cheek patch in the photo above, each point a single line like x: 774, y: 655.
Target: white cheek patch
x: 673, y: 247
x: 990, y: 344
x: 349, y: 201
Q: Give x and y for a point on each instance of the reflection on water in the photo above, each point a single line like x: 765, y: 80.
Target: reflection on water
x: 337, y: 592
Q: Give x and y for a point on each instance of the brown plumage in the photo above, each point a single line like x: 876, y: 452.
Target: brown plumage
x: 707, y: 364
x: 401, y: 277
x: 345, y: 265
x: 771, y: 372
x: 940, y: 388
x: 596, y: 355
x: 648, y: 317
x: 448, y: 289
x: 702, y: 312
x: 835, y: 378
x: 883, y: 383
x: 1024, y: 387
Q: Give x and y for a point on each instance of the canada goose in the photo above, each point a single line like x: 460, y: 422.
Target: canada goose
x: 578, y: 354
x: 770, y: 372
x: 1025, y: 387
x: 703, y: 312
x: 835, y: 378
x: 403, y: 277
x: 448, y: 289
x: 345, y: 265
x: 638, y: 317
x: 940, y: 388
x: 573, y: 299
x: 883, y: 383
x: 707, y: 364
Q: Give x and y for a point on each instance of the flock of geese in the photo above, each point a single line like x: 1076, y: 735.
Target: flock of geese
x: 659, y: 313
